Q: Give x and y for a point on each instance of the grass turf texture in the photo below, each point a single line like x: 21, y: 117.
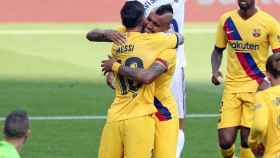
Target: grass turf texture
x: 60, y: 75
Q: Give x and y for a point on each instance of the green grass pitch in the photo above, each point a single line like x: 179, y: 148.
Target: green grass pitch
x: 60, y: 75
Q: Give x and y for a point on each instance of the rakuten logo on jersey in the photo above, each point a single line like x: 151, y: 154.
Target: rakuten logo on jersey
x: 243, y: 46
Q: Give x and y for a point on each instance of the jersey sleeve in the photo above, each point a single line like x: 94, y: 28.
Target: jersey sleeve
x: 221, y: 40
x: 167, y: 58
x: 274, y: 36
x: 121, y: 29
x: 260, y: 122
x: 168, y: 40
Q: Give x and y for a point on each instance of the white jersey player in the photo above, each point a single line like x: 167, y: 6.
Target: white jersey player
x: 178, y: 81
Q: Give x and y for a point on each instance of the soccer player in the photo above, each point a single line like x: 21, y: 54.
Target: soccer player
x: 265, y: 130
x: 178, y: 79
x: 161, y: 72
x: 130, y: 125
x: 247, y: 34
x: 16, y: 132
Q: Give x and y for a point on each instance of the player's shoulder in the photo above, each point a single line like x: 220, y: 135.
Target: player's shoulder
x: 159, y: 35
x: 171, y: 53
x: 121, y: 28
x: 264, y: 16
x: 226, y: 15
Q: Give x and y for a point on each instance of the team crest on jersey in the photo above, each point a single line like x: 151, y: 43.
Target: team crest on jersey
x: 256, y: 33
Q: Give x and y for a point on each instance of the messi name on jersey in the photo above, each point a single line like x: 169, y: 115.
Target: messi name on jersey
x: 125, y: 49
x: 239, y: 45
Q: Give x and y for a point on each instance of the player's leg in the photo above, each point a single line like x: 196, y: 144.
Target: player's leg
x: 181, y: 138
x: 245, y: 151
x: 178, y: 90
x: 111, y: 141
x: 229, y: 122
x: 227, y: 138
x: 248, y: 100
x: 166, y: 138
x: 139, y: 137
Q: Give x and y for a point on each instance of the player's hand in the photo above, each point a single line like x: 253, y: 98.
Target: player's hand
x: 217, y: 78
x: 264, y: 85
x: 116, y: 37
x: 259, y: 151
x: 107, y: 65
x: 110, y: 80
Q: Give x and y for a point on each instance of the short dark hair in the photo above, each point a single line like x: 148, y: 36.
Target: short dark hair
x: 163, y: 9
x: 273, y: 65
x: 16, y: 124
x: 132, y: 14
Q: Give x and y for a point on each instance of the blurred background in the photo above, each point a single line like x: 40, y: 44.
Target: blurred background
x: 48, y: 68
x: 108, y: 10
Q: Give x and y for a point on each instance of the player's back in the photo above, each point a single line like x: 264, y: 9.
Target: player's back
x: 7, y: 150
x: 133, y: 99
x: 164, y: 100
x: 271, y: 97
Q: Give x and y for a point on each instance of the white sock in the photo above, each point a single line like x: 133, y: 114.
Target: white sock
x: 180, y: 144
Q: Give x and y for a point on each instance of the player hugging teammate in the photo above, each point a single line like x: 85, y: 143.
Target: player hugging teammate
x: 144, y: 106
x: 160, y: 18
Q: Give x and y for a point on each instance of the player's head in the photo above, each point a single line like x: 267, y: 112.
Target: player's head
x: 132, y: 14
x: 246, y: 4
x: 273, y: 67
x: 159, y: 20
x: 16, y: 126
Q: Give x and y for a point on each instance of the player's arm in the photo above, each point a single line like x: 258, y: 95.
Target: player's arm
x: 145, y: 76
x: 140, y: 75
x: 216, y: 60
x: 98, y: 35
x: 110, y: 79
x: 217, y: 53
x: 180, y: 39
x: 164, y: 61
x: 260, y: 123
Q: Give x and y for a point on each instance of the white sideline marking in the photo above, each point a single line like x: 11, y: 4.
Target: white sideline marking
x: 101, y: 117
x: 83, y: 32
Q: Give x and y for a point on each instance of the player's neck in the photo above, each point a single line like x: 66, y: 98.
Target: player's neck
x: 246, y: 14
x: 17, y: 143
x: 134, y: 29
